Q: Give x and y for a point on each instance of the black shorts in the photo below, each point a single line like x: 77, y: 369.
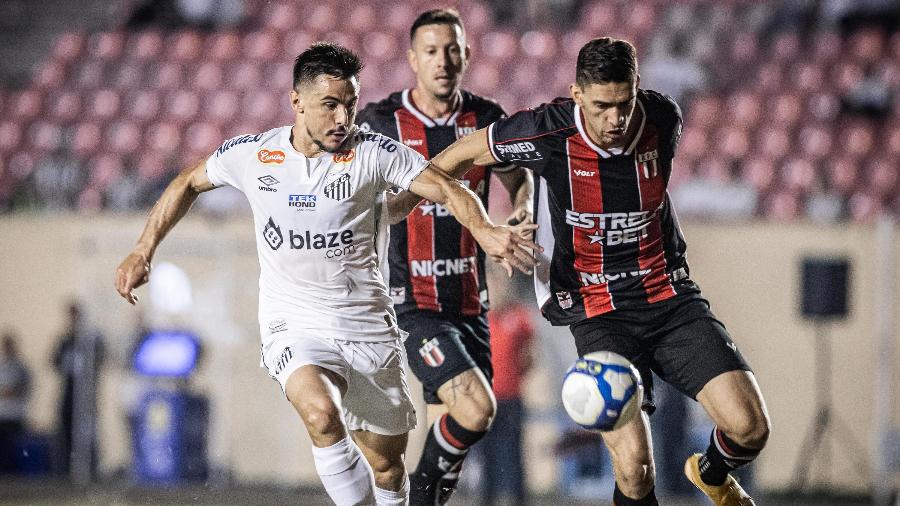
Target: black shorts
x: 440, y: 347
x: 679, y: 339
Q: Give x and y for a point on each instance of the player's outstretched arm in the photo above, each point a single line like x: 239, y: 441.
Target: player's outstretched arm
x: 507, y: 245
x: 456, y: 160
x: 175, y: 201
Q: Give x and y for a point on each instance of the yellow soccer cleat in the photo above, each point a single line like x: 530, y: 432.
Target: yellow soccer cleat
x: 726, y: 494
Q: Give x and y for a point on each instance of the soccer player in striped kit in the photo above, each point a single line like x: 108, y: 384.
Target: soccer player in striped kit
x: 617, y: 273
x: 437, y: 277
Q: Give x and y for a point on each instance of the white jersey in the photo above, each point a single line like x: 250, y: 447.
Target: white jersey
x: 321, y: 230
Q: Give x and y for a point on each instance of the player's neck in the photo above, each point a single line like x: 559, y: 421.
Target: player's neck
x: 303, y: 144
x: 435, y: 107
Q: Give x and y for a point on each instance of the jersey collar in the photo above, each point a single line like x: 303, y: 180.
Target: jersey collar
x: 614, y: 151
x: 428, y: 121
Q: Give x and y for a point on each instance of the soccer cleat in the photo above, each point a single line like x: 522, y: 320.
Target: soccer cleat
x: 726, y: 494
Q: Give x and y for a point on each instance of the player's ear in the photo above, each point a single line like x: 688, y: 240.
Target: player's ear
x: 637, y: 81
x: 412, y: 59
x: 468, y: 52
x: 296, y: 102
x: 576, y: 92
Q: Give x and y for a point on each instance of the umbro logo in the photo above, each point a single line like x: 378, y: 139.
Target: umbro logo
x: 269, y: 181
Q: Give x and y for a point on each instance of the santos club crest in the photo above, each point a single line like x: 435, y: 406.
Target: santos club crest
x: 339, y: 189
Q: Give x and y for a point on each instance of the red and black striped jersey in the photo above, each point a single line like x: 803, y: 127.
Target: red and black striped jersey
x: 605, y: 215
x: 435, y: 263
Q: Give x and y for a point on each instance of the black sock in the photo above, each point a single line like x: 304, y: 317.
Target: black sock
x: 723, y: 456
x: 620, y: 499
x: 447, y: 444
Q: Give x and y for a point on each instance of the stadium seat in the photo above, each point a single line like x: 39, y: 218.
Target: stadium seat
x: 769, y: 78
x: 733, y: 142
x: 842, y: 176
x: 128, y: 75
x: 123, y: 137
x: 323, y: 17
x: 483, y: 78
x: 785, y: 47
x: 399, y: 17
x: 106, y: 46
x: 823, y: 106
x: 598, y: 17
x: 786, y: 110
x: 282, y: 16
x: 145, y: 46
x: 859, y: 139
x: 44, y: 137
x: 378, y: 47
x: 538, y: 45
x: 184, y: 47
x: 704, y: 111
x: 744, y: 110
x: 105, y: 168
x: 891, y: 142
x: 49, y: 75
x: 89, y: 74
x: 182, y: 105
x: 798, y: 175
x: 808, y: 77
x: 758, y: 172
x: 296, y: 41
x: 222, y: 106
x: 162, y: 137
x: 65, y: 106
x: 864, y: 207
x: 499, y: 44
x: 744, y: 48
x: 144, y: 105
x: 815, y: 142
x: 202, y: 138
x: 845, y: 75
x: 26, y: 104
x: 168, y: 76
x: 773, y: 143
x: 259, y: 104
x: 260, y: 46
x: 782, y: 206
x: 693, y: 143
x: 867, y: 45
x: 86, y: 140
x: 104, y: 104
x: 363, y: 17
x: 826, y: 47
x: 881, y: 176
x: 222, y: 47
x: 10, y: 135
x: 714, y: 169
x: 207, y: 77
x: 68, y: 46
x: 244, y: 76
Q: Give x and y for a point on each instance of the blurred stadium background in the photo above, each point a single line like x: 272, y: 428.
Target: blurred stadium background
x: 791, y: 151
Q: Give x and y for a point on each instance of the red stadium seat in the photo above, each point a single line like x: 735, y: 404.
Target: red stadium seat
x: 379, y: 46
x: 639, y: 16
x: 45, y: 137
x: 704, y: 111
x: 168, y: 76
x: 106, y: 46
x: 785, y: 47
x: 891, y: 142
x: 846, y: 75
x: 151, y: 166
x: 744, y: 109
x: 223, y: 47
x: 864, y: 207
x: 208, y: 76
x: 798, y: 175
x: 526, y: 76
x: 363, y: 17
x: 769, y: 78
x: 222, y: 106
x: 733, y: 143
x: 145, y: 45
x: 598, y: 17
x: 826, y: 47
x: 786, y: 110
x: 202, y: 139
x: 773, y: 143
x: 881, y: 176
x: 25, y: 104
x: 261, y: 105
x: 104, y: 169
x: 867, y: 45
x: 244, y: 76
x: 68, y: 46
x: 104, y: 104
x: 323, y: 17
x: 815, y: 142
x: 182, y: 105
x: 344, y: 38
x: 744, y: 48
x: 144, y: 105
x: 714, y: 169
x: 823, y: 106
x: 86, y: 140
x: 49, y: 75
x: 65, y: 107
x: 842, y: 176
x: 693, y: 143
x: 123, y: 137
x: 808, y: 77
x: 282, y: 16
x: 90, y: 200
x: 478, y: 18
x: 297, y: 41
x: 10, y: 135
x: 499, y: 45
x: 538, y: 45
x: 399, y: 17
x: 184, y: 47
x: 783, y: 206
x: 261, y: 46
x: 859, y: 139
x: 163, y: 137
x: 571, y: 43
x: 759, y: 173
x: 483, y: 78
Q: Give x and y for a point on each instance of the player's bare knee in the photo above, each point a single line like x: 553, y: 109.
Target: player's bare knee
x: 320, y: 416
x: 389, y: 473
x: 636, y: 476
x: 476, y: 415
x: 750, y: 429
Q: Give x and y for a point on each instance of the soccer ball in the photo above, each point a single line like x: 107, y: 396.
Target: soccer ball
x: 603, y: 391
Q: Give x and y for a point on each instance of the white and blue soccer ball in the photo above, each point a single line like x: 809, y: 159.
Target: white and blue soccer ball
x: 602, y: 391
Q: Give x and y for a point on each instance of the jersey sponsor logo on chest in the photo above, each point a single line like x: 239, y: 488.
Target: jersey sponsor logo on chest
x: 270, y: 157
x: 610, y: 229
x: 413, y: 142
x: 443, y: 267
x: 302, y: 202
x: 344, y: 156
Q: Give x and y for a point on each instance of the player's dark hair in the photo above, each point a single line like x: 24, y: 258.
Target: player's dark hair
x: 436, y: 17
x: 606, y: 60
x: 326, y: 58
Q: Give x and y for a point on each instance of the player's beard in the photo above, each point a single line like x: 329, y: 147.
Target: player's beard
x: 340, y: 147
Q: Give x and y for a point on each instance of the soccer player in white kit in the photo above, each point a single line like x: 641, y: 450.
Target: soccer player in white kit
x: 329, y: 332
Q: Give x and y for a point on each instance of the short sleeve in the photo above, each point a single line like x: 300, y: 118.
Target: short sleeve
x: 398, y: 164
x: 520, y: 140
x: 222, y: 167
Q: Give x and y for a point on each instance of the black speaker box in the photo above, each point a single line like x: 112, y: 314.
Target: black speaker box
x: 824, y: 285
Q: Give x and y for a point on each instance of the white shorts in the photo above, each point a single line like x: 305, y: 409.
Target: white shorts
x: 377, y: 398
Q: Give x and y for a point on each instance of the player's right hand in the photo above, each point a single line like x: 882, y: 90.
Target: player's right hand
x: 133, y: 272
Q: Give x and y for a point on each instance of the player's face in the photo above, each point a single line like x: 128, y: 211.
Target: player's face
x: 608, y: 109
x: 325, y: 110
x: 439, y: 56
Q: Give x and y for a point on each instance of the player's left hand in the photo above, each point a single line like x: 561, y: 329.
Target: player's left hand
x: 521, y: 216
x: 509, y: 246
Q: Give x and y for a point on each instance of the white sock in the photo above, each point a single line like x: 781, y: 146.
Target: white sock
x: 390, y: 498
x: 346, y: 475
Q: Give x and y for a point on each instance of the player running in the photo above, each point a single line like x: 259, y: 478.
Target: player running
x: 329, y: 332
x: 437, y: 276
x: 617, y: 274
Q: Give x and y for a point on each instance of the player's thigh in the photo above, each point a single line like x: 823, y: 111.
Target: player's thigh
x: 382, y: 451
x: 735, y: 403
x: 689, y: 356
x: 596, y: 334
x: 630, y: 447
x: 435, y: 351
